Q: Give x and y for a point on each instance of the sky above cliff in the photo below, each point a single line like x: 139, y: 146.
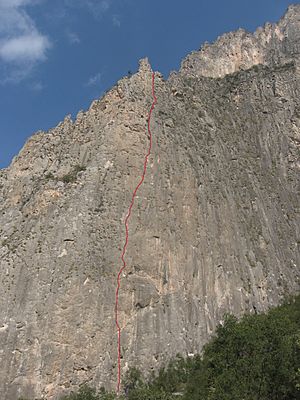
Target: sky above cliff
x: 56, y: 56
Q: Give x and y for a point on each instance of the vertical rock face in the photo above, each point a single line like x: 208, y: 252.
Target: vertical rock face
x: 274, y: 44
x: 214, y: 229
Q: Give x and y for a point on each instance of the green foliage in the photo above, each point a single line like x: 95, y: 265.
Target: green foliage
x: 79, y: 168
x: 49, y: 176
x: 69, y: 178
x: 256, y: 358
x: 137, y: 388
x: 72, y: 176
x: 87, y: 393
x: 173, y: 378
x: 4, y: 242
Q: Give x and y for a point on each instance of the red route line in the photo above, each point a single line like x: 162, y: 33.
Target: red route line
x: 126, y: 230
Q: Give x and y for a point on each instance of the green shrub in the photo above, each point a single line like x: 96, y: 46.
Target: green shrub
x: 256, y: 358
x: 88, y: 393
x: 79, y: 168
x: 49, y: 176
x: 72, y: 176
x: 69, y: 178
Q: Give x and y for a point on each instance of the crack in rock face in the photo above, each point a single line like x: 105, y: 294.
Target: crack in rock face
x: 214, y: 229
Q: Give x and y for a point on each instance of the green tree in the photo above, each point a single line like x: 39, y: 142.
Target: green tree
x: 88, y: 393
x: 256, y: 358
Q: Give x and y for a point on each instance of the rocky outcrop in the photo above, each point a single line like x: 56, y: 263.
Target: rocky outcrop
x: 274, y: 44
x: 215, y: 226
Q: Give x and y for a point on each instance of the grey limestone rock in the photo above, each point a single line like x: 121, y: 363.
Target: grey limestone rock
x: 214, y: 229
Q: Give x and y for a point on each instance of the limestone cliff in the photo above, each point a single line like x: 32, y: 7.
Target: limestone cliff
x: 215, y: 227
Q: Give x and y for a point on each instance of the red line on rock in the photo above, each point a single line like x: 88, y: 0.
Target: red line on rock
x: 127, y: 235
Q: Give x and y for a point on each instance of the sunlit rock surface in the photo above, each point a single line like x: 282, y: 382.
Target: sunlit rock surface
x: 214, y: 228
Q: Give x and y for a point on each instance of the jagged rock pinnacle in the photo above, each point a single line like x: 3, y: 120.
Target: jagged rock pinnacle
x: 144, y: 65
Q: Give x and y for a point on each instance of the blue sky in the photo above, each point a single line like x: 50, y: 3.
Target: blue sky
x: 56, y: 56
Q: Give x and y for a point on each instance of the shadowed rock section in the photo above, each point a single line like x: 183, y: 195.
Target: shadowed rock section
x: 215, y: 227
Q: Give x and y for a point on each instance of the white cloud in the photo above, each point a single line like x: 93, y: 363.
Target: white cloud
x: 14, y: 3
x: 72, y: 37
x: 22, y: 46
x: 116, y: 21
x: 26, y: 48
x: 94, y: 80
x: 96, y: 7
x: 37, y: 86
